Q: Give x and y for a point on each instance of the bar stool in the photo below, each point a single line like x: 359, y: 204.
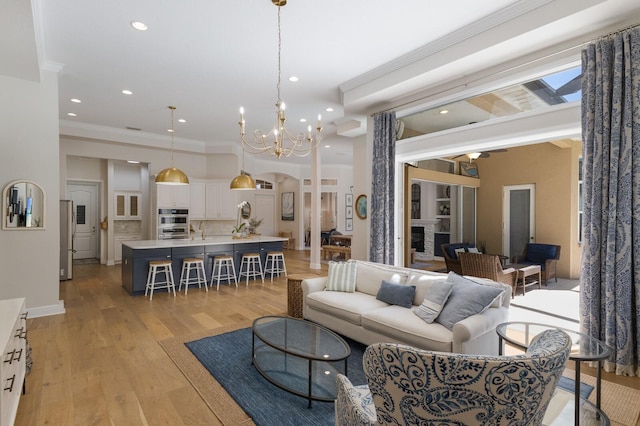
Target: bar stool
x: 251, y: 267
x: 156, y: 267
x: 223, y: 261
x: 196, y: 265
x: 275, y: 257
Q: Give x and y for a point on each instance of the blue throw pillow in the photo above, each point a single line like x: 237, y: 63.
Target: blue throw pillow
x: 396, y: 294
x: 467, y: 298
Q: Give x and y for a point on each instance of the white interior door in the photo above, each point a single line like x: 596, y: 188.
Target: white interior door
x: 85, y: 202
x: 265, y: 208
x: 519, y: 218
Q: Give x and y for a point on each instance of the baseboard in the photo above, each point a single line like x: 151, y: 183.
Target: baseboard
x: 44, y: 311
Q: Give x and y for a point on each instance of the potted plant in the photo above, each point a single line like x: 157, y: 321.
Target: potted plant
x: 254, y: 223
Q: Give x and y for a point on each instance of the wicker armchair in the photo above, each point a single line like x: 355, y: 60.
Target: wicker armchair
x: 487, y: 266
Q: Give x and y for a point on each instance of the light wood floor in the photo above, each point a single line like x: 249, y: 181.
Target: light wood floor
x: 100, y: 363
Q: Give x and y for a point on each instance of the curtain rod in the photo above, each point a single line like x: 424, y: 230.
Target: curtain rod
x: 637, y: 25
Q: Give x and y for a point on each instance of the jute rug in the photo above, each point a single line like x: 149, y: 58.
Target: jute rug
x: 620, y: 403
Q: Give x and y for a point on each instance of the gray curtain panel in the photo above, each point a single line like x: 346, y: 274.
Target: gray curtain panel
x: 610, y: 274
x: 382, y: 188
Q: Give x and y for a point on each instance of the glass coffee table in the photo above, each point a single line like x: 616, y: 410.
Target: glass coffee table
x: 299, y: 356
x: 561, y: 411
x: 583, y: 348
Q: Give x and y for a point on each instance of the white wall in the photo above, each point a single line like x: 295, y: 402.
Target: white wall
x: 361, y: 185
x: 29, y: 261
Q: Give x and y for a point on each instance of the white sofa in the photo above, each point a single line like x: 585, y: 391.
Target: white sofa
x: 362, y: 317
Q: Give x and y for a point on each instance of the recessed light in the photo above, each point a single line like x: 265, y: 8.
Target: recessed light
x: 72, y: 114
x: 327, y: 146
x: 76, y: 100
x: 444, y: 111
x: 133, y: 162
x: 170, y: 130
x: 303, y: 120
x: 127, y: 92
x: 293, y: 78
x: 140, y: 26
x: 329, y: 109
x: 182, y: 120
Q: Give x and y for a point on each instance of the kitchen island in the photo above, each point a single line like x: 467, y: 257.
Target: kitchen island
x: 137, y: 254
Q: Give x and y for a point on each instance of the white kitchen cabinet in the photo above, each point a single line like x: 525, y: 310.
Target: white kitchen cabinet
x: 13, y: 337
x: 122, y: 238
x: 172, y: 196
x: 220, y: 200
x: 127, y: 205
x: 197, y: 205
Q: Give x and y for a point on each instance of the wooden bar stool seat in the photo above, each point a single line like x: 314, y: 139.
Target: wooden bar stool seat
x: 277, y: 264
x: 159, y: 267
x: 226, y: 262
x: 251, y: 267
x: 189, y: 265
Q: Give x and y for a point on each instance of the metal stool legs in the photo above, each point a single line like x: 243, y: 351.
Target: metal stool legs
x: 225, y: 262
x: 192, y: 264
x: 156, y: 267
x: 251, y: 267
x: 276, y: 258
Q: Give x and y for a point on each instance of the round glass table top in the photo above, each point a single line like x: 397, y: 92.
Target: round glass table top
x: 583, y: 347
x: 301, y: 338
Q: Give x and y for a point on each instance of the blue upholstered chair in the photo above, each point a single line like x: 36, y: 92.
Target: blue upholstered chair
x: 545, y: 255
x: 413, y: 386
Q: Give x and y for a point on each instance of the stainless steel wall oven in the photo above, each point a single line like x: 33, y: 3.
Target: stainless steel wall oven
x: 173, y: 224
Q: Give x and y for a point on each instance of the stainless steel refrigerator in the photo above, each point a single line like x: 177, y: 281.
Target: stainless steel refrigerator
x: 66, y: 239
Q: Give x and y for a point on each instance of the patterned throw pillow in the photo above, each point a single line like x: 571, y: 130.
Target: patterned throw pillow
x: 434, y: 301
x: 342, y: 276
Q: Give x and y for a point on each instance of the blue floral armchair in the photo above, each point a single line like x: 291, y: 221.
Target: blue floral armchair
x: 410, y: 386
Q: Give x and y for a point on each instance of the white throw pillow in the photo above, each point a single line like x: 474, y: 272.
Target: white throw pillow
x: 473, y: 250
x: 342, y: 276
x: 459, y: 250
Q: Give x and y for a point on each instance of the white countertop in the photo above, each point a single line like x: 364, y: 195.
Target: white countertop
x: 214, y: 240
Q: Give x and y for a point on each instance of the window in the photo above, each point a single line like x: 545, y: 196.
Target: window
x: 557, y: 88
x: 263, y: 184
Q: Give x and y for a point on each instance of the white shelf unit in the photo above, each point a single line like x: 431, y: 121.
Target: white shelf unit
x: 13, y: 338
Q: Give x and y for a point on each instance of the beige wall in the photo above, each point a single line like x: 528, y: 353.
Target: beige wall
x: 554, y: 172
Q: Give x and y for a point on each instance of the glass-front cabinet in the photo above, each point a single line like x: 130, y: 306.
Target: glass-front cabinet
x: 127, y: 205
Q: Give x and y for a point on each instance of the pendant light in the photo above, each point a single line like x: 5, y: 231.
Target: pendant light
x: 243, y: 181
x: 171, y: 175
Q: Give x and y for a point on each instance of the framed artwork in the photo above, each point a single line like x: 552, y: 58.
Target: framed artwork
x: 348, y: 213
x: 349, y: 225
x: 348, y: 200
x: 469, y: 169
x: 287, y: 206
x: 361, y: 206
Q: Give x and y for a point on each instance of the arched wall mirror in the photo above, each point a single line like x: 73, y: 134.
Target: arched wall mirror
x: 246, y: 211
x: 23, y: 206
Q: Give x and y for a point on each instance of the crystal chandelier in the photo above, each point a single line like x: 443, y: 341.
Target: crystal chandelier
x: 279, y: 141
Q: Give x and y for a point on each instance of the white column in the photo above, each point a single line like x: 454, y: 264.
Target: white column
x: 316, y: 211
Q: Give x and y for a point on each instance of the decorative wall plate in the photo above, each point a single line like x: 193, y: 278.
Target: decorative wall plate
x: 361, y: 206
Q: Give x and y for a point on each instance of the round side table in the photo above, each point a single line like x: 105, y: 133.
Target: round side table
x: 294, y: 294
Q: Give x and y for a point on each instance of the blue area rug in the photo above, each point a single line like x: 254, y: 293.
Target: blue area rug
x: 569, y: 384
x: 228, y: 358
